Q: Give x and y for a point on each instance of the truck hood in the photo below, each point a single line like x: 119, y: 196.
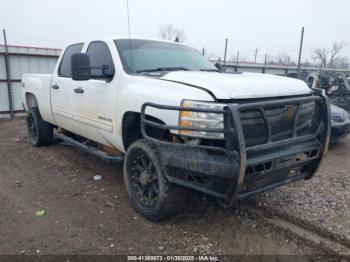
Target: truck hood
x: 240, y: 86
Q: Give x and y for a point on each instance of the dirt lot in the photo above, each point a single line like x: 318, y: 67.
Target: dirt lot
x: 94, y: 217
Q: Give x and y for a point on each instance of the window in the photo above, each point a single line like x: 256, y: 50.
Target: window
x: 100, y: 55
x: 65, y: 69
x: 138, y: 55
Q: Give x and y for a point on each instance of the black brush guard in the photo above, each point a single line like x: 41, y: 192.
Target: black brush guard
x: 235, y: 171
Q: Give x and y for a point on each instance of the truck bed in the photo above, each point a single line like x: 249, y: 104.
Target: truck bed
x: 39, y: 86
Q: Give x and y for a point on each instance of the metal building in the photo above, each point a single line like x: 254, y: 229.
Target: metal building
x: 21, y: 60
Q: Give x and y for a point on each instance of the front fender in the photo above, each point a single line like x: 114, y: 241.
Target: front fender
x: 134, y: 91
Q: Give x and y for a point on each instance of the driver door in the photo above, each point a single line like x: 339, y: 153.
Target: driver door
x: 95, y: 104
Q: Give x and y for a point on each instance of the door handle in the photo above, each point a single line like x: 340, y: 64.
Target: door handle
x: 79, y: 90
x: 55, y: 87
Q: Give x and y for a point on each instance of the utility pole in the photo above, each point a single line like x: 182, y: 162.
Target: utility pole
x: 225, y: 54
x: 8, y: 75
x: 256, y: 54
x: 203, y: 51
x: 300, y: 50
x: 237, y: 58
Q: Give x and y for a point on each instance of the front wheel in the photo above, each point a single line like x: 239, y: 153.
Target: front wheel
x: 151, y: 194
x: 40, y: 132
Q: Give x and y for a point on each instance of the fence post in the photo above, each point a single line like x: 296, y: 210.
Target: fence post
x: 8, y: 76
x: 265, y: 61
x: 237, y: 61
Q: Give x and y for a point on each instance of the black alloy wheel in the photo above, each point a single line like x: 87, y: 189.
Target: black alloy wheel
x: 145, y: 180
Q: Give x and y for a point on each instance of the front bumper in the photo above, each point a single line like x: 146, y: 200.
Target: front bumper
x: 238, y: 170
x: 339, y: 130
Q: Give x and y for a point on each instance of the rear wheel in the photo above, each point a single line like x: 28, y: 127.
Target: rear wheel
x: 40, y: 132
x: 151, y: 194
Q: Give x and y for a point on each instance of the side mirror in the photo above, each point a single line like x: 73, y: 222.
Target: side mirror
x: 219, y: 66
x: 81, y: 69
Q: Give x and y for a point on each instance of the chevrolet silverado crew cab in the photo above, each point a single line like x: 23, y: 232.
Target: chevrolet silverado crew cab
x: 177, y: 122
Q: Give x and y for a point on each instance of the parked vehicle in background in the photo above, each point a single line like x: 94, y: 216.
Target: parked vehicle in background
x: 177, y: 122
x: 340, y: 123
x: 338, y: 90
x: 336, y: 87
x: 333, y: 86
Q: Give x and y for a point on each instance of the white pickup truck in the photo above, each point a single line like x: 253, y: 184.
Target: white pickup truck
x: 177, y: 122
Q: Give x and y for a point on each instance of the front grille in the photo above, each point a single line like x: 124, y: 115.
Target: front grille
x: 279, y: 121
x: 266, y: 124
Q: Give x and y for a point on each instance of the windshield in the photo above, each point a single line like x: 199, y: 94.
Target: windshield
x: 148, y: 56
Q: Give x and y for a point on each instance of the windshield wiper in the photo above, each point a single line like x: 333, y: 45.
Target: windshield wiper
x: 179, y: 68
x: 209, y: 70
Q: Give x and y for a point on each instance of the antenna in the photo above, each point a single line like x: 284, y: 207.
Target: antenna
x: 128, y: 14
x: 129, y: 31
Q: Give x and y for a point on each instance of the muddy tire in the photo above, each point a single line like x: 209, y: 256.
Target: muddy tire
x: 40, y: 132
x: 150, y: 193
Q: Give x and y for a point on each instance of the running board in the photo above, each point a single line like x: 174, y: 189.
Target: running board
x: 89, y: 149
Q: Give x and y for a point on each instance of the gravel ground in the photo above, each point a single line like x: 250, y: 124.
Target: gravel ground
x: 84, y: 216
x: 322, y: 203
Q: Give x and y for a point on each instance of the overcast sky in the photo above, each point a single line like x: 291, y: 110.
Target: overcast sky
x: 273, y: 26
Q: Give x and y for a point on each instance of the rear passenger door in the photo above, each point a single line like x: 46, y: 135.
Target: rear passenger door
x: 95, y: 106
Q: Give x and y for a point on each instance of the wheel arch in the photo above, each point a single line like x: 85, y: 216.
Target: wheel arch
x: 30, y: 100
x: 131, y: 128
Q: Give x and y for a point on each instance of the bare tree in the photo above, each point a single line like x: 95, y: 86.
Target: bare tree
x: 243, y: 59
x: 272, y: 60
x: 284, y: 59
x: 330, y: 57
x: 269, y: 59
x: 213, y: 57
x: 171, y: 33
x: 233, y: 58
x: 321, y: 54
x: 240, y: 58
x: 334, y: 53
x: 206, y: 54
x: 343, y: 63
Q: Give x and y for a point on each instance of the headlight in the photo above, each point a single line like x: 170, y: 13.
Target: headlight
x: 201, y: 119
x: 340, y: 117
